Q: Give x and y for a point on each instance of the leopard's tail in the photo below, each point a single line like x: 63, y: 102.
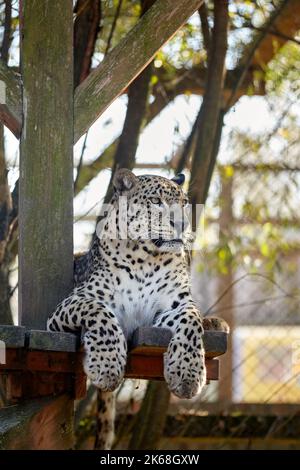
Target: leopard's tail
x: 105, y: 420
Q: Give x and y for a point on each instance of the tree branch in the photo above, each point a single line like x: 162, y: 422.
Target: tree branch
x: 86, y: 29
x: 113, y: 27
x: 136, y: 110
x: 127, y: 60
x: 261, y: 48
x: 211, y: 105
x: 205, y: 26
x: 7, y: 32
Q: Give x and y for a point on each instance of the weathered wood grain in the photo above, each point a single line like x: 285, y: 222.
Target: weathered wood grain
x: 151, y: 336
x: 128, y: 59
x: 50, y: 341
x: 45, y: 219
x: 42, y: 361
x: 148, y: 365
x: 215, y: 342
x: 12, y: 336
x: 46, y: 161
x: 144, y: 362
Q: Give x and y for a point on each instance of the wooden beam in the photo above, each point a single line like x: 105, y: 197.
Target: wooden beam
x: 46, y: 163
x: 45, y: 225
x: 147, y: 364
x: 58, y: 352
x: 128, y: 59
x: 144, y: 362
x: 13, y: 336
x: 10, y: 99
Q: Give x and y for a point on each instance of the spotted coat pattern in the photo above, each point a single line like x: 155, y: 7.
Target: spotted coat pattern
x: 122, y: 284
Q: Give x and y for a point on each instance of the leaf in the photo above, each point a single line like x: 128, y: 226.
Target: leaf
x: 264, y: 249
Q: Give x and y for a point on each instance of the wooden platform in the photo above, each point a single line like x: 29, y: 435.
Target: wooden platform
x: 40, y: 363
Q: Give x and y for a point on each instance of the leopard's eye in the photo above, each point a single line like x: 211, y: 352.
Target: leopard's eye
x: 156, y: 200
x: 185, y: 202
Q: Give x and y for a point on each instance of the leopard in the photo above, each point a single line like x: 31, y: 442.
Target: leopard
x: 136, y: 274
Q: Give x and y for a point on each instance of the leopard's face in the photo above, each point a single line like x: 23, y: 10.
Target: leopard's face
x: 151, y: 208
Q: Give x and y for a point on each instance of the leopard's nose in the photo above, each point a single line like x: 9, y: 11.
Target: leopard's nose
x: 178, y: 227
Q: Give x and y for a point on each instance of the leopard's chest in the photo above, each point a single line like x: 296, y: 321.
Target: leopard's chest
x: 138, y: 298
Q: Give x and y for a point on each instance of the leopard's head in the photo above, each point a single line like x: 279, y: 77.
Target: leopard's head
x: 151, y: 208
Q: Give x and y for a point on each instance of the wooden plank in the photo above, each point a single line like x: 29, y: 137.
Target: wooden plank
x: 37, y: 424
x: 151, y: 336
x: 27, y: 385
x: 55, y: 352
x: 30, y: 374
x: 10, y: 99
x: 52, y: 341
x: 127, y: 60
x: 140, y: 366
x: 215, y: 342
x: 142, y: 362
x: 46, y: 161
x: 12, y: 336
x: 42, y: 361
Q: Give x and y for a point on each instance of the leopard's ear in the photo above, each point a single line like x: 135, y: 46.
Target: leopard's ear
x: 179, y: 179
x: 124, y: 180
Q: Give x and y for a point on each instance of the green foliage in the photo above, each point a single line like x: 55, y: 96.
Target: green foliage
x: 265, y: 193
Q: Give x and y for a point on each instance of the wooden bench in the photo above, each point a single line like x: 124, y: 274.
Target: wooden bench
x: 40, y: 363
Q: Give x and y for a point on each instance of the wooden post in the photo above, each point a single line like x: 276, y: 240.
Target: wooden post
x: 224, y: 281
x: 46, y: 202
x: 46, y: 162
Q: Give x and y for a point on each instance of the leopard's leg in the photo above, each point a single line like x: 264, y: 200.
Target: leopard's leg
x: 104, y: 341
x: 105, y: 420
x: 184, y: 361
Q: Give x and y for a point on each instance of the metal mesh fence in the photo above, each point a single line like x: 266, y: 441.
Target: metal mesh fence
x: 250, y: 276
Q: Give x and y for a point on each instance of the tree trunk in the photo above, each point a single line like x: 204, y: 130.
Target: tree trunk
x: 5, y: 310
x: 187, y: 149
x: 203, y: 159
x: 135, y: 114
x: 136, y: 110
x: 86, y: 28
x: 151, y: 418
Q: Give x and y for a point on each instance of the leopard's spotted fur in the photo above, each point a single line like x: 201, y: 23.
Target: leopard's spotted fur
x: 122, y: 284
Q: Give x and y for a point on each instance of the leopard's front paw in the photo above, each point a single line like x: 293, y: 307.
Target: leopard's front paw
x: 184, y: 368
x: 104, y: 368
x: 102, y: 372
